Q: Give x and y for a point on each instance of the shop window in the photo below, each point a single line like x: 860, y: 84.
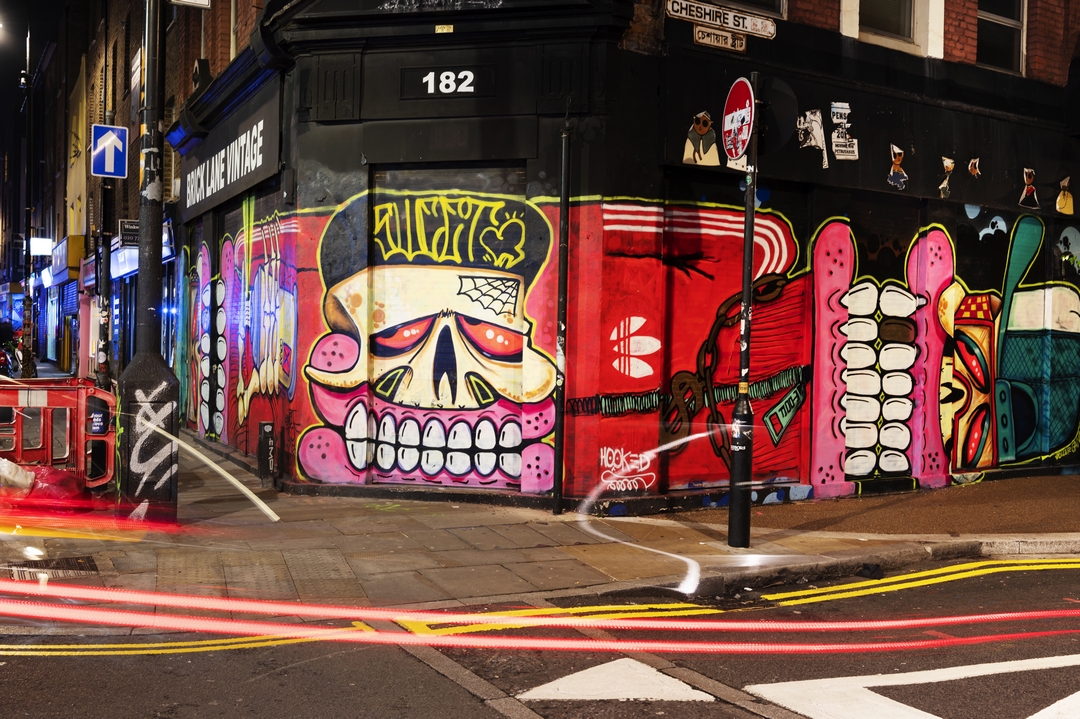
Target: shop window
x: 1001, y: 31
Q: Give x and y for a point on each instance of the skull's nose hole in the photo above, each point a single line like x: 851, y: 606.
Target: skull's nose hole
x: 445, y: 364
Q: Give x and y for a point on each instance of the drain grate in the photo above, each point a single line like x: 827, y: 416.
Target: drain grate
x: 54, y: 568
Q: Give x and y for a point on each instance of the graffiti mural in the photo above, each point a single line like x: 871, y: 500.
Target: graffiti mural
x: 406, y: 335
x: 430, y: 371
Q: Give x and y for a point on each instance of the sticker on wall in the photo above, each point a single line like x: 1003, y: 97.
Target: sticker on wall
x: 973, y: 168
x: 943, y: 188
x: 844, y: 146
x: 1064, y: 203
x: 1028, y: 197
x: 812, y: 134
x: 700, y: 148
x: 897, y: 177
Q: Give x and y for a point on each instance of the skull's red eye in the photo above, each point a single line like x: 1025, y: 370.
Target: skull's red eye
x: 493, y: 341
x: 401, y: 338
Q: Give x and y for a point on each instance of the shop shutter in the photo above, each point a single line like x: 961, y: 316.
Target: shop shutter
x: 69, y: 299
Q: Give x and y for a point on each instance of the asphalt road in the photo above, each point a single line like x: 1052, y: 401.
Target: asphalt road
x: 207, y: 679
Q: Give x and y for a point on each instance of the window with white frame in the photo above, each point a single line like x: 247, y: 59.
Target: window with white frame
x: 891, y: 17
x: 912, y: 26
x: 772, y: 7
x: 1001, y: 34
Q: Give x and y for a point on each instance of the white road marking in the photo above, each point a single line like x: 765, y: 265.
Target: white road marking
x: 622, y: 679
x: 850, y: 697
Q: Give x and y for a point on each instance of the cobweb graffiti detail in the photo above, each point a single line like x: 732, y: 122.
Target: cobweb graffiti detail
x: 496, y: 294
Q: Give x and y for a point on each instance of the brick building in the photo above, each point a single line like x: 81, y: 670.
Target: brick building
x: 364, y: 221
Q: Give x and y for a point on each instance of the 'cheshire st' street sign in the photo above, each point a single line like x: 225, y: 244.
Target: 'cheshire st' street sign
x: 722, y: 17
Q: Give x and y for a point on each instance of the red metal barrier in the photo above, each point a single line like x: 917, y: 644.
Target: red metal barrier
x: 63, y: 423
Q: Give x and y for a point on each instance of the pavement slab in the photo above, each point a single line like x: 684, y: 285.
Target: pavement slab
x: 558, y: 575
x: 478, y: 581
x: 484, y: 538
x: 401, y: 588
x: 437, y: 540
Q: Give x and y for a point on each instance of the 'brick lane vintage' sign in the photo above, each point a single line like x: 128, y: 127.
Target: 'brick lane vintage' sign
x: 724, y: 18
x: 240, y: 152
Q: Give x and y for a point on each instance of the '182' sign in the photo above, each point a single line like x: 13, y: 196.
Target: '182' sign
x: 431, y: 82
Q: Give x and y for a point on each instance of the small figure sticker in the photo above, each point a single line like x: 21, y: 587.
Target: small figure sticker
x: 897, y: 177
x: 973, y: 168
x: 812, y: 134
x: 844, y: 146
x: 701, y: 148
x: 1028, y: 198
x: 943, y: 188
x: 1064, y: 203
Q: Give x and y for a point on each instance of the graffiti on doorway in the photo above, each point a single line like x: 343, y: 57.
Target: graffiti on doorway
x: 430, y: 372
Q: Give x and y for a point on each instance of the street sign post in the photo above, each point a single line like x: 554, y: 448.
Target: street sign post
x: 108, y: 151
x: 738, y: 120
x: 739, y: 135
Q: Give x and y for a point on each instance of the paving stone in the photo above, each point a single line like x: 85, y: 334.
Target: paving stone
x: 623, y: 562
x: 483, y: 538
x: 309, y: 589
x: 478, y: 581
x: 558, y: 575
x: 317, y: 564
x: 135, y: 562
x: 308, y: 530
x: 472, y: 557
x: 260, y: 581
x: 473, y: 517
x: 385, y: 563
x: 523, y: 536
x: 563, y: 533
x: 437, y: 540
x: 379, y: 542
x: 240, y: 559
x: 190, y: 572
x: 401, y: 588
x: 370, y: 523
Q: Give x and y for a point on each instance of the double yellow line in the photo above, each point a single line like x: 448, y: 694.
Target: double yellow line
x: 602, y: 611
x: 919, y: 579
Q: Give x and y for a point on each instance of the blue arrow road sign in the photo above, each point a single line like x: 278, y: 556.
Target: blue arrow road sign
x: 108, y: 151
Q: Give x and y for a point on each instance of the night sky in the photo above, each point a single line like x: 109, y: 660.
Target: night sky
x: 44, y: 16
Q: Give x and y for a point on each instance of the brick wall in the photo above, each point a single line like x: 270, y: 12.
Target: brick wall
x: 819, y: 13
x: 961, y: 30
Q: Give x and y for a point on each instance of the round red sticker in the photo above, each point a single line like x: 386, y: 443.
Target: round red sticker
x: 738, y: 118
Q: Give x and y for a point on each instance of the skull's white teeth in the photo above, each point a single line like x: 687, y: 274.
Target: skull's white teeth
x: 409, y: 433
x: 485, y: 434
x: 387, y: 429
x: 510, y: 464
x: 485, y: 462
x: 356, y: 426
x: 408, y: 458
x: 460, y: 437
x: 434, y: 435
x: 431, y: 462
x: 510, y: 436
x: 458, y: 463
x: 358, y: 453
x: 384, y: 457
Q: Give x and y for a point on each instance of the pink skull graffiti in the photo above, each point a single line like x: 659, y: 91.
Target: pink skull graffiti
x: 429, y: 373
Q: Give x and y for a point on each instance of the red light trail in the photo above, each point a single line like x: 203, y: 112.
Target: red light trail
x: 113, y: 617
